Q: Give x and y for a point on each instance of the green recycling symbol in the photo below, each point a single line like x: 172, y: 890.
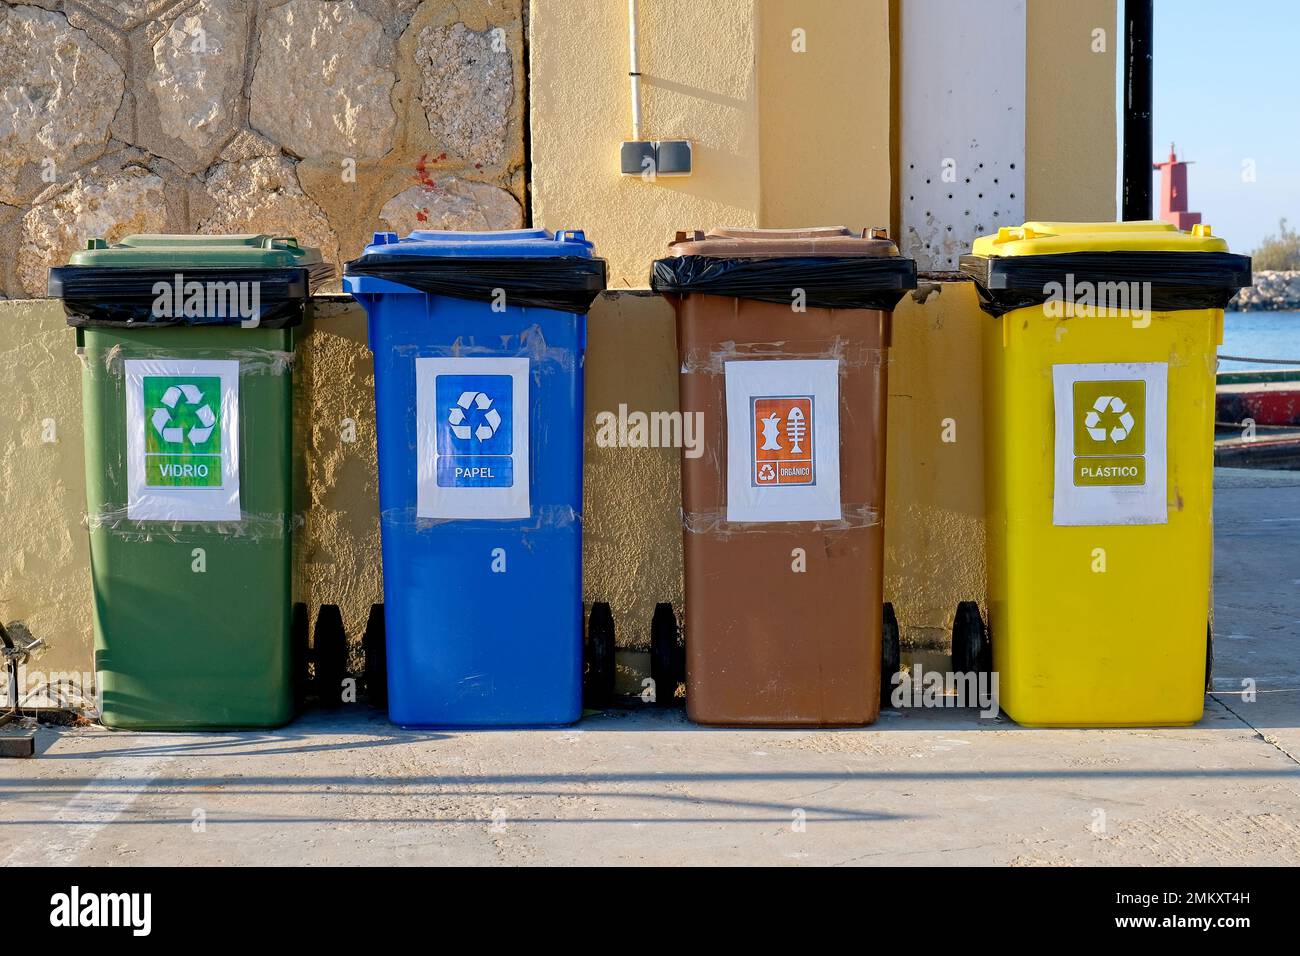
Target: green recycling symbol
x: 175, y: 420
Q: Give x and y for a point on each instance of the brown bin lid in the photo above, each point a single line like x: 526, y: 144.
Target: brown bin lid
x: 733, y: 243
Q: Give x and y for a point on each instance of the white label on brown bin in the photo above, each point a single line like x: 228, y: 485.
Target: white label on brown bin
x: 783, y: 440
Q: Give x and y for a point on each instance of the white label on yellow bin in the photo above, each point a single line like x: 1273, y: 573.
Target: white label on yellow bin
x: 783, y: 440
x: 182, y: 439
x: 1111, y: 421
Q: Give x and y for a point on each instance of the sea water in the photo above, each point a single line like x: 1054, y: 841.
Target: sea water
x: 1265, y: 335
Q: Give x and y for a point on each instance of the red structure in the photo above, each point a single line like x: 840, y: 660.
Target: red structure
x: 1173, y: 192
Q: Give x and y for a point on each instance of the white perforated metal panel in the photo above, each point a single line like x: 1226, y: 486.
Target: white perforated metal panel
x: 962, y: 138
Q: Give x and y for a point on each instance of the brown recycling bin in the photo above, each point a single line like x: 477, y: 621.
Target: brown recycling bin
x: 783, y: 543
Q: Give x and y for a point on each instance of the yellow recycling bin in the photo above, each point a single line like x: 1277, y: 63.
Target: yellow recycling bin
x: 1099, y: 408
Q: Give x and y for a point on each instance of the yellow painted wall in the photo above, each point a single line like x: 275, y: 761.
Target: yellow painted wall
x: 338, y: 560
x: 780, y: 141
x: 632, y: 556
x: 632, y: 542
x: 697, y: 61
x: 1070, y: 141
x: 824, y: 113
x: 780, y: 138
x: 934, y: 488
x: 934, y: 530
x: 632, y: 536
x: 45, y: 569
x: 934, y: 526
x: 45, y: 557
x: 823, y: 140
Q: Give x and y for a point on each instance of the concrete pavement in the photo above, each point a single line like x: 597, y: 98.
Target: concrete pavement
x: 641, y: 786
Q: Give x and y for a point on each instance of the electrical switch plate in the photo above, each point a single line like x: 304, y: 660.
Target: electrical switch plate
x: 667, y: 157
x: 674, y: 157
x: 636, y: 157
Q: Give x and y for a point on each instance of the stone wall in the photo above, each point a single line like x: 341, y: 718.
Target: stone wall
x: 1272, y: 292
x: 321, y: 119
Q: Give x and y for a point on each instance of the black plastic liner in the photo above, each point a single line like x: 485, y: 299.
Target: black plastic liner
x: 828, y: 282
x: 118, y: 298
x: 1179, y: 280
x: 564, y: 283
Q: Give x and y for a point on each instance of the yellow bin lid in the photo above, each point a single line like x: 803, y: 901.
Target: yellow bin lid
x: 1055, y: 238
x: 1018, y: 267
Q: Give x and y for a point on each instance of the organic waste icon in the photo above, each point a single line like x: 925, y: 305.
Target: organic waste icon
x: 459, y: 417
x: 175, y: 420
x: 1109, y: 408
x: 796, y: 426
x: 782, y: 440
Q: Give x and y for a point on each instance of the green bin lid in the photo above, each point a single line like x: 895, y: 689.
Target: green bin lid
x: 115, y: 285
x: 162, y: 251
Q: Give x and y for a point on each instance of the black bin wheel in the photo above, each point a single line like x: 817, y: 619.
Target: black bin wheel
x: 1209, y: 657
x: 971, y: 650
x: 330, y: 655
x: 667, y: 663
x: 891, y: 657
x: 598, y: 677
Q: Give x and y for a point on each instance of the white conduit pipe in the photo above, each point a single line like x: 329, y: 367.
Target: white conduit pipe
x: 634, y: 70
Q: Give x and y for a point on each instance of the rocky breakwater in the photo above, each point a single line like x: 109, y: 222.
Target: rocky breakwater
x: 1272, y: 292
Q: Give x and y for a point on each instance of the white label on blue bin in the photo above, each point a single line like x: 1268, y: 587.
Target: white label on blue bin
x: 472, y: 437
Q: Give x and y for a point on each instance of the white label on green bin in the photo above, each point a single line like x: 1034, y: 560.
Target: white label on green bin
x: 783, y: 440
x: 1111, y: 424
x: 472, y: 438
x: 182, y: 439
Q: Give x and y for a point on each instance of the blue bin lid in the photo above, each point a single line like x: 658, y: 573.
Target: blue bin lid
x: 535, y: 267
x: 503, y: 243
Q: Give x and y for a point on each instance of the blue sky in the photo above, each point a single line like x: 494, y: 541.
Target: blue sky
x: 1227, y: 90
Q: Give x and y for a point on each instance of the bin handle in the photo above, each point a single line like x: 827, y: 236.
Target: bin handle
x: 268, y: 242
x: 1014, y: 233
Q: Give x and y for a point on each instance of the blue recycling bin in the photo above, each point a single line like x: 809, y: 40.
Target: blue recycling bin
x: 478, y: 343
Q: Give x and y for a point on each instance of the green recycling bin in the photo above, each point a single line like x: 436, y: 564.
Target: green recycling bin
x: 187, y: 347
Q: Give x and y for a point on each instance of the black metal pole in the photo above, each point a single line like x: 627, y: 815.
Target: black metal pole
x: 1136, y: 201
